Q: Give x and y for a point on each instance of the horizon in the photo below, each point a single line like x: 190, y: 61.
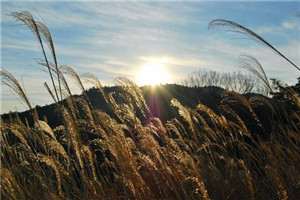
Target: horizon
x: 117, y: 39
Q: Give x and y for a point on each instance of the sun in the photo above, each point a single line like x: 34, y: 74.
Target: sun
x: 153, y: 73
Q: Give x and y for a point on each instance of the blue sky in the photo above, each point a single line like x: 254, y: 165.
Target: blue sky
x: 111, y: 39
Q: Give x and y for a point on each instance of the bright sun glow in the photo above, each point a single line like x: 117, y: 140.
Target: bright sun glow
x: 153, y: 73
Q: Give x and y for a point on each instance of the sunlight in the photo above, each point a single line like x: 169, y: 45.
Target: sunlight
x: 153, y: 73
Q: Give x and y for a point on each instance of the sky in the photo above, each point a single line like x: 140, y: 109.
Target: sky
x: 113, y: 39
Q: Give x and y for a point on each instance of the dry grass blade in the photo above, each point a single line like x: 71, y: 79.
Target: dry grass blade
x: 235, y: 27
x: 92, y: 79
x: 70, y: 71
x: 47, y: 35
x: 43, y: 29
x: 9, y: 80
x: 253, y: 65
x: 28, y: 20
x: 51, y: 65
x: 50, y: 92
x: 61, y: 76
x: 135, y: 93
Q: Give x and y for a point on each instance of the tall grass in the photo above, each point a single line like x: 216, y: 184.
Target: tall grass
x: 47, y: 35
x: 12, y: 83
x: 253, y: 65
x: 37, y: 28
x: 91, y: 78
x: 201, y: 153
x: 235, y: 27
x: 50, y: 92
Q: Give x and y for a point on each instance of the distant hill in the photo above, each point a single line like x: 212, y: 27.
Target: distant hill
x: 158, y: 100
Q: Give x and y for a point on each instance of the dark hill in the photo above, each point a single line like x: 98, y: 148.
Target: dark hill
x: 258, y: 112
x: 158, y: 99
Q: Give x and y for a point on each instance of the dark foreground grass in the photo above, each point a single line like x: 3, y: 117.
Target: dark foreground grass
x: 247, y: 148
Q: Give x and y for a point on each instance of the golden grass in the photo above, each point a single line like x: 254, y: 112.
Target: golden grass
x: 198, y: 154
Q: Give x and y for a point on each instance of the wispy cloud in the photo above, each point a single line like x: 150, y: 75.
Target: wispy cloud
x: 291, y: 24
x: 283, y: 28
